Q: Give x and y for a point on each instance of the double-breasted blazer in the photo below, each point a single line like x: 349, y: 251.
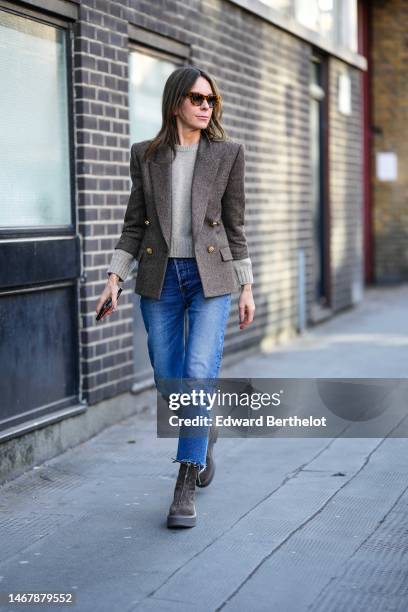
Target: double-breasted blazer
x: 218, y: 215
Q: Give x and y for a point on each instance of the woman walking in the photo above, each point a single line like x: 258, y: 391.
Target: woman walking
x: 184, y: 224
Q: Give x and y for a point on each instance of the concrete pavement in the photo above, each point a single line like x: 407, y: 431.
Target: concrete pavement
x: 287, y: 524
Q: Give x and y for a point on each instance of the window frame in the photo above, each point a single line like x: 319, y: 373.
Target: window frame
x: 289, y: 24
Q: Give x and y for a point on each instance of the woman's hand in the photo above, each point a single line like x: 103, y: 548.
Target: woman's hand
x: 246, y: 306
x: 111, y: 290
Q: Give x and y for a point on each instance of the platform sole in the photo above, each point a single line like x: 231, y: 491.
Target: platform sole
x: 180, y: 520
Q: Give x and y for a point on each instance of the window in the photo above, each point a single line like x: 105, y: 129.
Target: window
x: 34, y: 156
x: 284, y: 6
x: 147, y: 75
x: 334, y: 20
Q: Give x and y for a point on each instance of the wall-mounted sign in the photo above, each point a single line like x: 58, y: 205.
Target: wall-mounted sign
x: 386, y: 166
x: 344, y: 94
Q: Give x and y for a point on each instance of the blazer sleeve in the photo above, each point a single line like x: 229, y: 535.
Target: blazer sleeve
x: 233, y: 207
x: 133, y: 226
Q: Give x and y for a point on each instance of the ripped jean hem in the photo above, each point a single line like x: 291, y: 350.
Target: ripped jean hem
x: 201, y: 466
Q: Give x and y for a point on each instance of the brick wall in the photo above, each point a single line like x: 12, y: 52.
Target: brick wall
x: 389, y: 134
x: 346, y: 190
x: 103, y: 184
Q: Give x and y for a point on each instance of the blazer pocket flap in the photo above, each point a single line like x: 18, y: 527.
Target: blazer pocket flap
x: 226, y: 253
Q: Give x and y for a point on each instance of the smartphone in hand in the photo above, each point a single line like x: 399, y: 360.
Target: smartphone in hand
x: 107, y: 305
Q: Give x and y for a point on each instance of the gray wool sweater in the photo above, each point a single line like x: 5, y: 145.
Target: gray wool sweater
x: 181, y: 244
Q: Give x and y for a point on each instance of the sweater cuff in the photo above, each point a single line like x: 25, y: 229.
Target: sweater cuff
x: 243, y: 270
x: 121, y: 263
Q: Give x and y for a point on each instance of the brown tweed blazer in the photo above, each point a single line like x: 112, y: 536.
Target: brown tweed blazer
x: 218, y: 209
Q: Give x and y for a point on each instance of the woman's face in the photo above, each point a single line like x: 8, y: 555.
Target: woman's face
x: 196, y: 117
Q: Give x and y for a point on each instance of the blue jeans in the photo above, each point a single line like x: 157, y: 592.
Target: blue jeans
x: 200, y: 355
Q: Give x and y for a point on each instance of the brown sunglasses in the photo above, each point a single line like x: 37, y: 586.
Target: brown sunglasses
x: 197, y: 98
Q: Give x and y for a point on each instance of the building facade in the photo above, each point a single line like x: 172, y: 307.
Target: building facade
x: 83, y: 81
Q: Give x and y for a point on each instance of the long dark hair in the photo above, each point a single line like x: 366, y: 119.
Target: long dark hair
x: 179, y: 83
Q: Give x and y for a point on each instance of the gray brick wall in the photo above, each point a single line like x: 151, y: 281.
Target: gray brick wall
x: 102, y: 168
x: 346, y: 191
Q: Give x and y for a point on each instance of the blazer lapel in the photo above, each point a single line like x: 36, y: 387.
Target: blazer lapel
x: 160, y: 174
x: 205, y: 170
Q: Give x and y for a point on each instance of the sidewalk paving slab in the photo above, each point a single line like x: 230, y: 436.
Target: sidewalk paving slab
x: 278, y: 529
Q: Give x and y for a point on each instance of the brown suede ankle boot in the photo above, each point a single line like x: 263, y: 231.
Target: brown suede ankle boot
x: 204, y: 478
x: 182, y: 511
